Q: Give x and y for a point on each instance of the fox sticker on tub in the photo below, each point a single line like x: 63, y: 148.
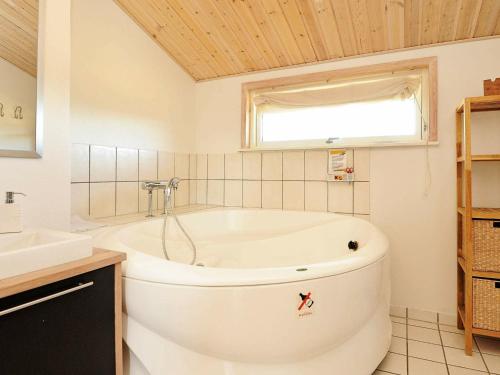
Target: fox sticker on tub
x: 305, y: 305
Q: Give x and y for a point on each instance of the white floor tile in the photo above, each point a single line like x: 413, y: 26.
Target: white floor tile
x: 427, y: 316
x: 394, y: 363
x: 398, y: 345
x: 464, y: 371
x: 399, y: 330
x: 457, y: 357
x: 448, y: 319
x: 421, y: 323
x: 455, y: 340
x: 424, y: 334
x: 447, y: 328
x: 397, y: 319
x: 424, y: 350
x: 423, y: 367
x: 493, y: 363
x: 488, y: 346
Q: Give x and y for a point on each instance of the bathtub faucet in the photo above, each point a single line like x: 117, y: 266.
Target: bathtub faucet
x: 172, y: 185
x: 150, y: 186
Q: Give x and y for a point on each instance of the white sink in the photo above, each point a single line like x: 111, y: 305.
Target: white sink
x: 32, y: 250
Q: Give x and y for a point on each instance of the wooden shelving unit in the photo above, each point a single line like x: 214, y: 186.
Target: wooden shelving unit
x: 466, y: 213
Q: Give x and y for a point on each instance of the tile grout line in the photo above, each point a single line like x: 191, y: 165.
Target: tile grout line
x: 481, y: 354
x: 442, y: 346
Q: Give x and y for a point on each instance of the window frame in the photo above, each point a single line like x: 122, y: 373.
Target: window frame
x: 249, y: 123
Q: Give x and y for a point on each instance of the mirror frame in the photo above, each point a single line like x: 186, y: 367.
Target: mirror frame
x: 38, y: 151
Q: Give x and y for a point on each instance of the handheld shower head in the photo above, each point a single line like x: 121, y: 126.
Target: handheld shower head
x: 174, y: 183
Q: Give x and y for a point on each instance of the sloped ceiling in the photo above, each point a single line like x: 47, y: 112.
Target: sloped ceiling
x: 217, y: 38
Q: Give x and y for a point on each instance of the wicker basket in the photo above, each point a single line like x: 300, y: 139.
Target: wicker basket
x: 486, y: 304
x: 486, y: 245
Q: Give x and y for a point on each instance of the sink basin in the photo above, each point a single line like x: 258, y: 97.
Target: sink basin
x: 32, y: 250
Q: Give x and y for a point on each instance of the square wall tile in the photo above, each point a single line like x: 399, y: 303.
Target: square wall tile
x: 272, y: 166
x: 143, y: 199
x: 340, y: 197
x: 127, y: 198
x: 316, y: 165
x: 182, y: 194
x: 215, y: 192
x: 192, y: 166
x: 293, y: 195
x: 252, y: 165
x: 252, y: 194
x: 181, y: 166
x: 362, y: 198
x: 293, y: 165
x: 148, y: 165
x: 80, y: 155
x: 193, y: 191
x: 102, y: 164
x: 102, y: 199
x: 233, y: 193
x: 362, y: 164
x: 215, y: 166
x: 234, y: 166
x: 80, y: 199
x: 127, y: 164
x: 166, y: 169
x: 201, y: 166
x: 272, y: 194
x: 160, y: 199
x: 316, y: 196
x: 201, y: 191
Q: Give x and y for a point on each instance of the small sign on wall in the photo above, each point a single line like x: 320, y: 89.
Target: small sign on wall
x: 337, y: 166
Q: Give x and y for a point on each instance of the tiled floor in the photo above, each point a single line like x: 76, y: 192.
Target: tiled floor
x: 425, y: 345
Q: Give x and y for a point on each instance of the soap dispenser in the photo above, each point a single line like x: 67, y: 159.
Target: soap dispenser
x: 10, y: 215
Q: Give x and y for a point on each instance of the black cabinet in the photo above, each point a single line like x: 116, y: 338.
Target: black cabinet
x: 66, y: 328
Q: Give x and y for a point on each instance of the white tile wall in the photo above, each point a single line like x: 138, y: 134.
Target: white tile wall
x: 102, y: 199
x: 148, y: 167
x: 291, y: 180
x: 293, y: 165
x: 216, y: 166
x: 165, y: 165
x: 80, y: 163
x: 272, y: 166
x: 293, y: 195
x: 102, y: 163
x: 127, y: 198
x: 252, y: 194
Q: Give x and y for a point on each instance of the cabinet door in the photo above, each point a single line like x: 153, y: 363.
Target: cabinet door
x: 62, y: 328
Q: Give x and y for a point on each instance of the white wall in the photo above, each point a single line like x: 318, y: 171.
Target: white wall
x: 46, y: 180
x: 421, y: 229
x: 125, y: 90
x: 18, y: 88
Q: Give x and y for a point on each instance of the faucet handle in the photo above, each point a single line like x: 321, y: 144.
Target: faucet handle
x: 9, y: 196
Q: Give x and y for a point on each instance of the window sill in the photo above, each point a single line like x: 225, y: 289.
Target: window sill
x: 338, y: 146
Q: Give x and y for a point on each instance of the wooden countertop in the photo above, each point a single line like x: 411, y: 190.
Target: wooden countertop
x: 20, y: 283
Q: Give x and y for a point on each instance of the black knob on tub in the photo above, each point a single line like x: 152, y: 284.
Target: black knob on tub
x: 353, y: 245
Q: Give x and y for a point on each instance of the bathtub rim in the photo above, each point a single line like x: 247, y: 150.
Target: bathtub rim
x: 150, y: 268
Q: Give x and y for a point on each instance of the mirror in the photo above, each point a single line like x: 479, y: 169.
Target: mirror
x: 18, y: 79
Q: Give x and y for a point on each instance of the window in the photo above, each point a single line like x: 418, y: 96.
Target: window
x: 385, y: 105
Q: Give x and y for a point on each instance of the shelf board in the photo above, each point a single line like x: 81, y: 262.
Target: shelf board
x: 485, y: 332
x: 481, y: 103
x: 486, y: 157
x: 482, y: 213
x: 486, y: 274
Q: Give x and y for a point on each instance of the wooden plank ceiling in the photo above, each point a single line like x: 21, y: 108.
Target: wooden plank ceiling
x: 18, y: 33
x: 217, y: 38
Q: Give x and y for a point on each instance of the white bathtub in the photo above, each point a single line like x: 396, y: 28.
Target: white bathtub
x: 242, y: 313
